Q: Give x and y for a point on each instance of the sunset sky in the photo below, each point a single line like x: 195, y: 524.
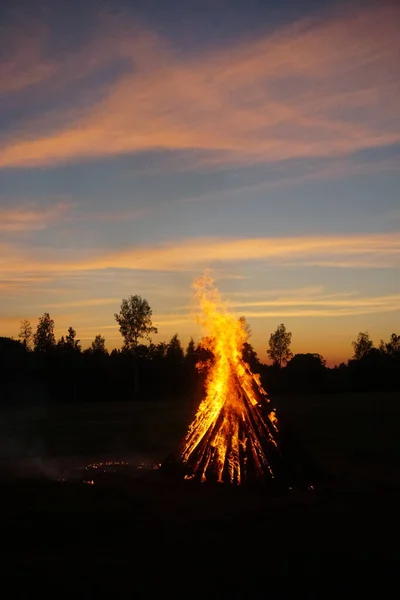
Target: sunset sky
x: 144, y: 142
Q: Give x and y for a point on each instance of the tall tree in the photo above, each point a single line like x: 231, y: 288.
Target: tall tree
x: 43, y: 339
x: 248, y: 352
x: 245, y: 326
x: 174, y: 363
x: 71, y: 343
x: 250, y: 357
x: 307, y: 362
x: 306, y: 372
x: 191, y: 357
x: 158, y: 351
x: 98, y: 346
x: 61, y: 343
x: 134, y: 320
x: 363, y: 345
x: 175, y: 351
x: 25, y: 334
x: 392, y: 346
x: 279, y: 345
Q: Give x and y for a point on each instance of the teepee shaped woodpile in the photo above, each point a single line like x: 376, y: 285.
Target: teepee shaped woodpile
x: 234, y: 436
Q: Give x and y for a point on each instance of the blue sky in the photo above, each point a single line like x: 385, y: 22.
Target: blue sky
x: 143, y: 142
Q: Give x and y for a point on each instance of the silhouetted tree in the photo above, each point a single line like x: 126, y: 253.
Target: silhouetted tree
x: 308, y: 361
x: 43, y: 339
x: 13, y: 358
x: 392, y: 346
x: 158, y: 351
x: 174, y: 365
x: 305, y: 372
x: 174, y: 350
x: 25, y: 334
x: 190, y: 361
x: 245, y: 326
x: 10, y: 349
x: 134, y: 320
x: 98, y: 346
x: 71, y: 343
x: 190, y: 353
x: 250, y: 357
x: 279, y: 345
x: 61, y: 343
x: 248, y: 352
x: 362, y: 346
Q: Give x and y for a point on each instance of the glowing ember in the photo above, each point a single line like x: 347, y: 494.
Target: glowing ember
x: 107, y: 466
x: 234, y: 435
x: 103, y: 470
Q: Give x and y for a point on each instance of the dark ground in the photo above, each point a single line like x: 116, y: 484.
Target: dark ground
x: 137, y: 533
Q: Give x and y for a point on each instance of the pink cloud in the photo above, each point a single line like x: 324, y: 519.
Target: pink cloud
x: 324, y: 87
x: 346, y: 251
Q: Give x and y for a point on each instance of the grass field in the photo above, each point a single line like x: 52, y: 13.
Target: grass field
x: 148, y: 536
x: 355, y: 437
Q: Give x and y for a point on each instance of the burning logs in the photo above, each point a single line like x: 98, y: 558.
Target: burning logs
x: 234, y: 435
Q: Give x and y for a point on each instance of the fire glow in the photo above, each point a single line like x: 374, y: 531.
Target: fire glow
x: 234, y: 435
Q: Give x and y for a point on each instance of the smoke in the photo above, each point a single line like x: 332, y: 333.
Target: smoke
x: 22, y: 446
x: 59, y: 443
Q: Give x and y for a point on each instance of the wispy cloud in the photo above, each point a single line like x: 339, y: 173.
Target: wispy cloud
x: 347, y: 251
x: 23, y: 62
x: 334, y: 305
x: 31, y: 217
x: 298, y: 292
x: 310, y: 302
x: 331, y: 312
x: 17, y: 216
x: 117, y: 215
x: 326, y: 87
x: 284, y: 175
x: 21, y: 285
x: 83, y: 303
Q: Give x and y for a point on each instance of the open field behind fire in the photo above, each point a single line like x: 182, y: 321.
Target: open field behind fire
x: 354, y: 437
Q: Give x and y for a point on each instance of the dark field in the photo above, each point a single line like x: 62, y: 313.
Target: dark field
x: 137, y: 533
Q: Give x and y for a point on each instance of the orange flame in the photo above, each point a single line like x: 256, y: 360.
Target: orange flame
x: 232, y: 431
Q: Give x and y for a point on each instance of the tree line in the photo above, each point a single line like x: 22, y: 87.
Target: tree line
x: 37, y: 366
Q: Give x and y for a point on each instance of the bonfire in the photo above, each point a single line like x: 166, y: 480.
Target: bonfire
x: 234, y: 436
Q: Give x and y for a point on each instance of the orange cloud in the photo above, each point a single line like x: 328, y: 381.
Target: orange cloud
x: 364, y: 250
x: 20, y: 285
x: 320, y: 88
x: 312, y: 302
x: 87, y: 302
x: 334, y: 300
x: 336, y: 305
x: 34, y: 216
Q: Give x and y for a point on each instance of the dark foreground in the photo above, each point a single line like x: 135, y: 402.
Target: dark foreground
x: 137, y: 533
x: 140, y: 536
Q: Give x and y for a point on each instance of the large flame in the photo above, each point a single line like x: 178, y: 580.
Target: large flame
x: 233, y: 437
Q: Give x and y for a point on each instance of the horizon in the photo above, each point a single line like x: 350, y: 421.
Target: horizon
x: 144, y: 144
